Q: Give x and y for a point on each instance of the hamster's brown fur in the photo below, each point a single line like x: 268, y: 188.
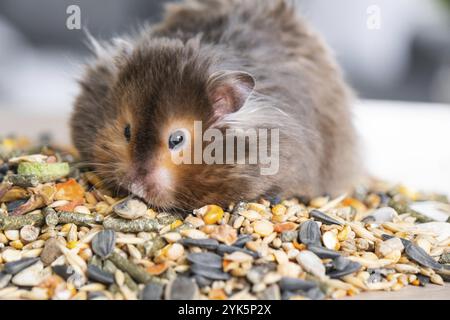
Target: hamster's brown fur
x: 160, y: 80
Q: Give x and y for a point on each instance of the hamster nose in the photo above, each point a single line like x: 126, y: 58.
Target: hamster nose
x: 159, y: 178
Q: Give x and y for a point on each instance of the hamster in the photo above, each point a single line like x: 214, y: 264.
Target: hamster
x: 231, y: 64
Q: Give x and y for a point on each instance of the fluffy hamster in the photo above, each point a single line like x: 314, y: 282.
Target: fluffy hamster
x: 230, y: 64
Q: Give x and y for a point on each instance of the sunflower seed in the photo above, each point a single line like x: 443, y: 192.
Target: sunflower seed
x: 324, y: 253
x: 130, y: 209
x: 63, y: 271
x: 289, y: 236
x: 207, y: 259
x: 202, y: 281
x: 423, y: 280
x: 310, y: 233
x: 322, y: 217
x: 4, y: 279
x: 17, y: 266
x: 294, y: 284
x: 152, y: 291
x: 103, y: 243
x: 210, y: 244
x: 271, y: 293
x: 223, y: 248
x: 94, y: 273
x: 210, y: 273
x: 420, y: 256
x: 340, y: 263
x: 242, y: 240
x: 352, y: 267
x: 445, y: 258
x: 315, y: 294
x: 181, y: 288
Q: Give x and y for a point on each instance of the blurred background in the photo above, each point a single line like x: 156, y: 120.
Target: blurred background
x: 389, y: 50
x: 404, y: 56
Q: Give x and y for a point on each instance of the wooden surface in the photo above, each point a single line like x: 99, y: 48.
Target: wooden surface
x: 430, y: 292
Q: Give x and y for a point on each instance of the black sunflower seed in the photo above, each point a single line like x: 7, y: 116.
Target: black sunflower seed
x: 295, y: 284
x: 64, y: 272
x: 352, y: 267
x: 103, y: 243
x: 324, y: 253
x: 4, y: 279
x: 242, y: 240
x: 210, y: 244
x: 322, y: 217
x: 17, y: 266
x: 94, y: 273
x: 419, y: 255
x: 209, y: 273
x: 310, y: 233
x: 207, y: 259
x: 223, y: 248
x: 152, y: 291
x: 181, y: 288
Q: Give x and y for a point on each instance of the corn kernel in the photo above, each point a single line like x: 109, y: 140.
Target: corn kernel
x: 72, y: 244
x: 16, y: 244
x: 279, y: 210
x: 213, y: 215
x: 175, y: 224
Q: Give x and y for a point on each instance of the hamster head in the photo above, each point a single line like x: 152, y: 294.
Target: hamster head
x: 138, y: 109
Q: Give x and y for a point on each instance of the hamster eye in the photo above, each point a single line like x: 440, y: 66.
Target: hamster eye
x: 176, y: 139
x: 127, y: 133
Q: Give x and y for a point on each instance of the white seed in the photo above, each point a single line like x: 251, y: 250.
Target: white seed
x: 424, y: 244
x: 330, y: 240
x: 12, y: 235
x: 289, y: 269
x: 175, y: 251
x: 263, y: 228
x: 311, y: 263
x: 195, y: 221
x: 10, y: 255
x: 31, y: 276
x: 193, y: 234
x: 82, y: 209
x: 172, y: 237
x: 238, y: 257
x: 134, y: 252
x: 29, y: 233
x: 131, y: 209
x: 238, y: 222
x: 406, y: 268
x: 119, y: 277
x: 386, y: 247
x: 251, y: 215
x: 293, y: 253
x: 437, y: 279
x: 281, y: 257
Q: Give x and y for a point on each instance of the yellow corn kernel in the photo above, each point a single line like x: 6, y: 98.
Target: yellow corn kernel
x: 72, y: 244
x: 16, y: 244
x: 279, y: 210
x: 212, y: 214
x: 175, y: 224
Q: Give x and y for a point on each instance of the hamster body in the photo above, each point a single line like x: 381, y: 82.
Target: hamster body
x: 229, y: 64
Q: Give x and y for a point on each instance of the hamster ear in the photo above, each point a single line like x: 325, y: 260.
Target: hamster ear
x: 229, y: 90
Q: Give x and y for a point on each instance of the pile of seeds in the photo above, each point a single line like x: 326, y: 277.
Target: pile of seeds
x: 64, y: 236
